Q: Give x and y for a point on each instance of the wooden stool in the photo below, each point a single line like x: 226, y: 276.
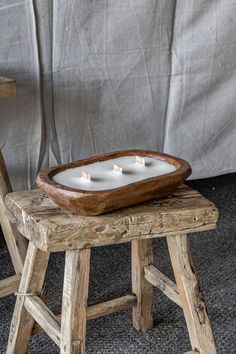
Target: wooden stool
x: 51, y: 229
x: 17, y: 245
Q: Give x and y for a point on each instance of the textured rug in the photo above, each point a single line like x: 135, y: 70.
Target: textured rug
x: 214, y: 255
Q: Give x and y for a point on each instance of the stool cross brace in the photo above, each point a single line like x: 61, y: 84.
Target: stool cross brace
x: 68, y: 330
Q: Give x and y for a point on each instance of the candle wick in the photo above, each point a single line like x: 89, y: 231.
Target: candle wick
x: 140, y: 160
x: 86, y: 176
x: 117, y: 168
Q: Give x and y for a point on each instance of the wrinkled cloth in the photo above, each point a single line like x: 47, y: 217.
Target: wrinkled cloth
x: 100, y: 75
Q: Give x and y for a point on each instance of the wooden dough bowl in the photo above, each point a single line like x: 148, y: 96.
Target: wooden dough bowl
x: 98, y: 202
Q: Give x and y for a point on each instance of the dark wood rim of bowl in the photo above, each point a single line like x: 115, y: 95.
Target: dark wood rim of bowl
x: 183, y: 170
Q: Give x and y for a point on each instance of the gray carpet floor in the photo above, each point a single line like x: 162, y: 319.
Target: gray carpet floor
x: 214, y: 255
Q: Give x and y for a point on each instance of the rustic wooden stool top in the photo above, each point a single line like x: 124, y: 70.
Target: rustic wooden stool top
x: 51, y: 229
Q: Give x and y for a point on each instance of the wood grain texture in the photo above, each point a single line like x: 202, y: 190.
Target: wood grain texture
x: 98, y: 202
x: 101, y: 309
x: 9, y: 285
x: 74, y: 302
x: 7, y: 87
x: 32, y: 281
x: 142, y: 255
x: 44, y: 317
x: 51, y: 228
x: 111, y: 306
x: 195, y: 313
x: 159, y: 280
x: 16, y: 243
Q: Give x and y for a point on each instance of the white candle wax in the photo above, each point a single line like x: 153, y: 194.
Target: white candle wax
x: 104, y: 177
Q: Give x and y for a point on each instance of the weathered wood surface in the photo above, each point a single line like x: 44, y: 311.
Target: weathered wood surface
x: 142, y: 255
x: 99, y: 202
x: 51, y: 228
x: 9, y: 285
x: 101, y: 309
x: 44, y: 317
x: 111, y: 306
x: 159, y: 280
x: 7, y: 87
x: 16, y: 243
x: 195, y: 313
x: 74, y: 302
x: 32, y: 282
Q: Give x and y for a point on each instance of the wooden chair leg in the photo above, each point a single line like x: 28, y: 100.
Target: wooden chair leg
x: 74, y: 301
x: 195, y: 313
x: 16, y: 243
x: 142, y: 255
x: 31, y: 282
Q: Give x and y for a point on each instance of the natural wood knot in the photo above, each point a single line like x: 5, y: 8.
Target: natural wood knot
x: 201, y: 311
x: 100, y: 229
x: 76, y: 343
x: 38, y: 200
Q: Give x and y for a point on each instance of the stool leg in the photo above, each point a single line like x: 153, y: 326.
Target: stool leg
x: 16, y: 243
x: 74, y: 301
x: 142, y: 256
x: 31, y: 282
x: 195, y: 313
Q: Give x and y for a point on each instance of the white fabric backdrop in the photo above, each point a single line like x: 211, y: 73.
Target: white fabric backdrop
x: 100, y: 75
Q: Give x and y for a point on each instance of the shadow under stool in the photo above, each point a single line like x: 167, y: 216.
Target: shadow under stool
x: 51, y: 229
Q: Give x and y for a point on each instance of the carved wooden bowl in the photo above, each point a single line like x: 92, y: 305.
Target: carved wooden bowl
x: 100, y: 184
